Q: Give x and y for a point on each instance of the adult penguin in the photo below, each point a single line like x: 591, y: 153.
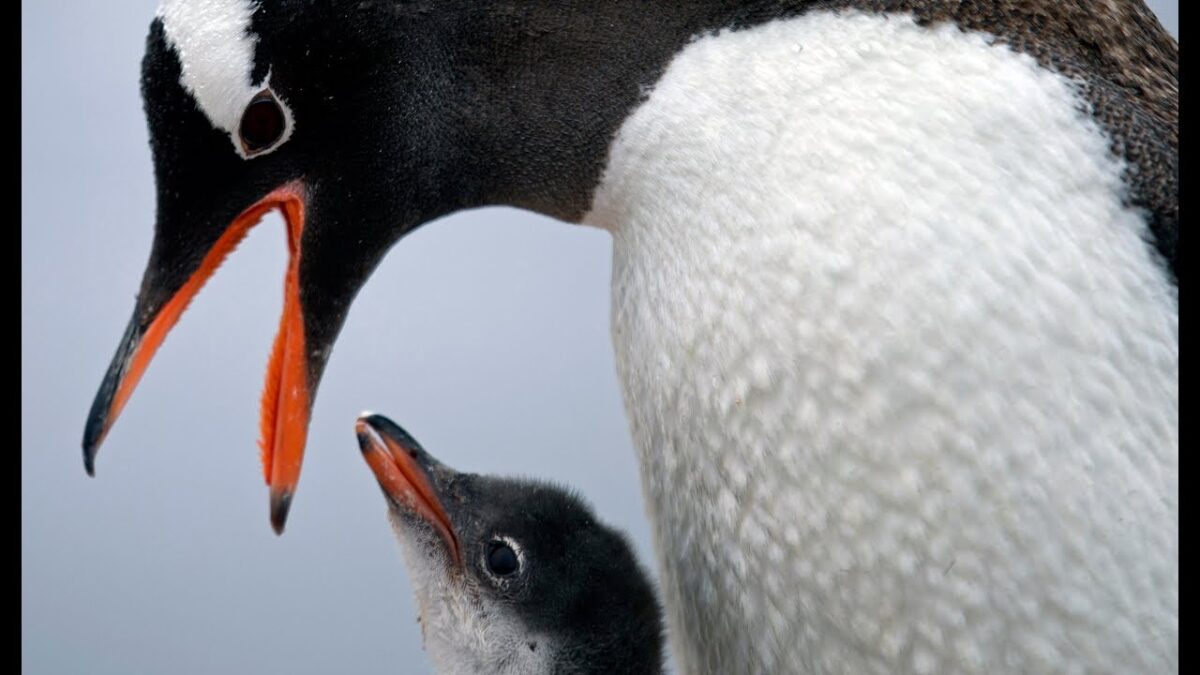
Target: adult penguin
x: 894, y: 295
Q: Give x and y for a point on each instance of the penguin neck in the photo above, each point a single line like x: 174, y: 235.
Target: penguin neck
x: 548, y: 83
x: 557, y: 79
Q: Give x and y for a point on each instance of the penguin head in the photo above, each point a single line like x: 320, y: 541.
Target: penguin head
x: 317, y: 112
x: 512, y: 575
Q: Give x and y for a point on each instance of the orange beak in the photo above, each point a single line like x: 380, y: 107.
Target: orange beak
x: 285, y: 399
x: 399, y: 465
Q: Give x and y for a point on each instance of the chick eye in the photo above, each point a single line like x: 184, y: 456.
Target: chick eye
x: 501, y: 559
x: 262, y: 123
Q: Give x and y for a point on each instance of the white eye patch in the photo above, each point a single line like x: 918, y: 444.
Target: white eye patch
x: 216, y: 53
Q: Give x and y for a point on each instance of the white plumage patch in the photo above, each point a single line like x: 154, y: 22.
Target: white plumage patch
x: 216, y: 53
x: 901, y: 368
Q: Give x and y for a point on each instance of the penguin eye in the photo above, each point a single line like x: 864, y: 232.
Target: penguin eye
x: 262, y: 123
x: 501, y: 559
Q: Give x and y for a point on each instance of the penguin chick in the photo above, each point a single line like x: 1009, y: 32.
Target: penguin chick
x: 512, y: 576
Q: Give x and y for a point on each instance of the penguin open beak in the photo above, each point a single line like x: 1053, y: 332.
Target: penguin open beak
x: 403, y: 470
x: 286, y: 396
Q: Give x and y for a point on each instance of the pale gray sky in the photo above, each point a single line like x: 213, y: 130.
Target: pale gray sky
x: 486, y: 335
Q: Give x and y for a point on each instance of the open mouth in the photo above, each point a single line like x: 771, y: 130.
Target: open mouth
x: 397, y: 464
x: 285, y: 400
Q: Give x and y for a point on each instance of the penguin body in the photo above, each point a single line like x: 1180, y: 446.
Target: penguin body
x: 905, y: 391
